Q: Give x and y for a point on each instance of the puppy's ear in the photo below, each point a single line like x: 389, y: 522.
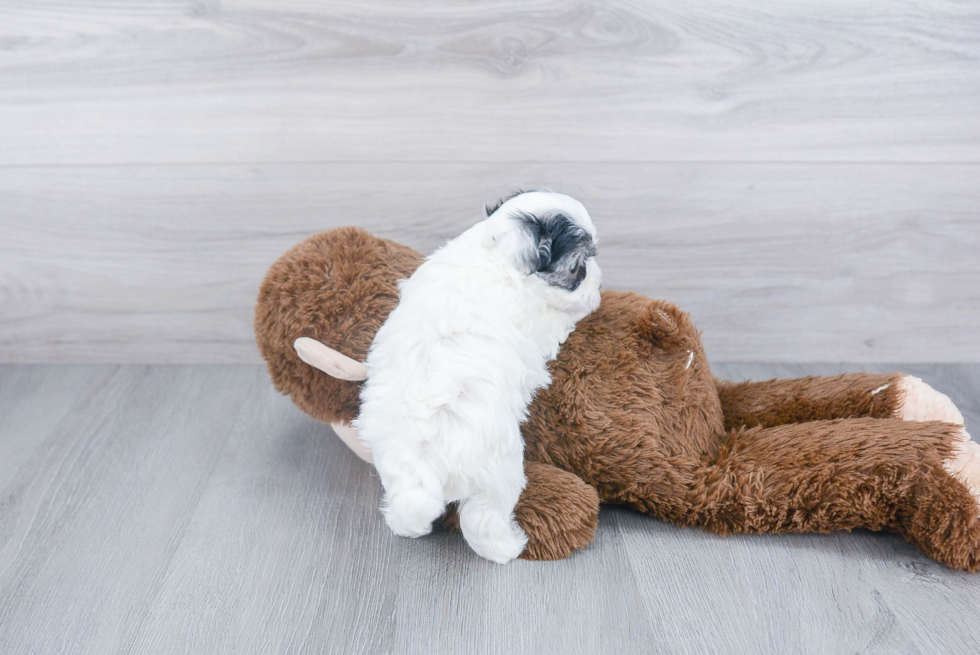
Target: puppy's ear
x: 526, y: 242
x: 490, y: 209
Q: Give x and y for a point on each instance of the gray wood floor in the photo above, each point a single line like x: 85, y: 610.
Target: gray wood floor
x: 190, y: 509
x: 800, y: 175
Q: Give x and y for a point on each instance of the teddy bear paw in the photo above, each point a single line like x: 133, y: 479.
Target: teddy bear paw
x: 964, y: 465
x: 923, y: 403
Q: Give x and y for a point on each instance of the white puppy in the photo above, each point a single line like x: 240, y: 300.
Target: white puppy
x: 453, y: 369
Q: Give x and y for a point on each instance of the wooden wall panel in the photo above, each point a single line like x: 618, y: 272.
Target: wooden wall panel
x: 801, y: 176
x: 116, y: 81
x: 776, y: 262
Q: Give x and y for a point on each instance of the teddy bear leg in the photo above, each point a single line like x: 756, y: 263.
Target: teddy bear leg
x: 881, y: 474
x: 781, y: 402
x: 557, y: 511
x: 943, y: 519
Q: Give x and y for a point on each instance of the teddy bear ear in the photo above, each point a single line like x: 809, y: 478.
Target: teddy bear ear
x: 329, y: 360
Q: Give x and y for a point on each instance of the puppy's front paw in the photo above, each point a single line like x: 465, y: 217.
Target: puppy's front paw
x: 923, y: 403
x: 410, y: 513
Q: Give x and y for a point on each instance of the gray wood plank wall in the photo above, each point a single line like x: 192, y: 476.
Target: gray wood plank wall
x: 804, y: 177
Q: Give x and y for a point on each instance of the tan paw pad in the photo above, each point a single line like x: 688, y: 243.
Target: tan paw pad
x: 923, y: 403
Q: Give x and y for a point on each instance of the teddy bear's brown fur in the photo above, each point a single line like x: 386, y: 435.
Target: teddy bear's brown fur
x: 634, y: 416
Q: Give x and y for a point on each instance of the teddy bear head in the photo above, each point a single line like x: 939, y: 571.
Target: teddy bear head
x: 336, y: 287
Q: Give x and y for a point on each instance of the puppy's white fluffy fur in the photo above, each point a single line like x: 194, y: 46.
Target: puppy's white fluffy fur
x: 453, y: 369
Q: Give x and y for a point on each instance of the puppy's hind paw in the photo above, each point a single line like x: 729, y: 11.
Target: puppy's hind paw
x: 410, y: 513
x: 501, y: 547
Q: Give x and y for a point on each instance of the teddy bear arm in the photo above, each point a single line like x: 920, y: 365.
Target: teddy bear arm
x: 557, y: 510
x: 780, y: 402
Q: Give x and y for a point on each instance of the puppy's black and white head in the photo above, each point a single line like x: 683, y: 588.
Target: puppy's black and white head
x: 550, y: 236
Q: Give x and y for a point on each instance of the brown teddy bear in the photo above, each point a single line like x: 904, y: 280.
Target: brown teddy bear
x: 634, y: 417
